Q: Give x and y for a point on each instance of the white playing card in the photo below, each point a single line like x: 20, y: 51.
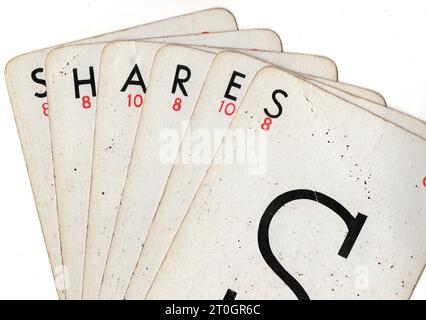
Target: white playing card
x: 121, y: 94
x: 133, y: 221
x: 337, y: 212
x: 318, y: 68
x: 185, y: 178
x: 26, y: 85
x: 313, y: 65
x: 116, y: 129
x: 172, y: 94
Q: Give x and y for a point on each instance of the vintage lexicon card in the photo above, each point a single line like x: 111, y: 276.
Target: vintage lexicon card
x: 332, y: 209
x: 227, y: 82
x: 176, y: 79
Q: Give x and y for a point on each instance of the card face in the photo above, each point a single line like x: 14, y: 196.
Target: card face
x: 26, y: 84
x: 176, y: 79
x: 123, y: 82
x: 71, y: 80
x: 321, y: 217
x: 186, y: 177
x: 226, y: 83
x: 121, y: 94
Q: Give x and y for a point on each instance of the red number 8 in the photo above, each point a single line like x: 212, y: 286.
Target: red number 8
x: 177, y: 104
x: 45, y: 109
x: 266, y: 125
x: 86, y: 102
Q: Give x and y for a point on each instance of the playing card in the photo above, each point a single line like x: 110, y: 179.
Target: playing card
x: 26, y: 84
x: 333, y: 209
x: 186, y: 176
x: 116, y: 129
x: 308, y: 64
x: 324, y: 72
x: 318, y: 68
x: 133, y: 221
x: 174, y: 86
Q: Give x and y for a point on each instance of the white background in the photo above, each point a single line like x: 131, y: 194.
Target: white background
x: 376, y: 44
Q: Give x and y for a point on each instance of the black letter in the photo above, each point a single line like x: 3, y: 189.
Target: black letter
x: 78, y: 83
x: 179, y: 81
x: 232, y: 83
x: 354, y: 225
x: 39, y: 81
x: 277, y: 103
x: 137, y: 82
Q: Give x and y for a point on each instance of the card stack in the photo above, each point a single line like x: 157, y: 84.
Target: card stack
x: 187, y: 159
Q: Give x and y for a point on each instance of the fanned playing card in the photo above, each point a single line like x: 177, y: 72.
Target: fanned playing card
x: 332, y: 208
x: 318, y: 68
x: 173, y: 89
x: 26, y: 85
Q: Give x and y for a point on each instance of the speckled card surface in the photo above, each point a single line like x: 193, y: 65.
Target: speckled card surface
x: 332, y: 209
x: 234, y: 71
x: 176, y: 79
x: 116, y: 127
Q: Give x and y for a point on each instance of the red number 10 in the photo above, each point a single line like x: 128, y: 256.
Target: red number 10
x: 137, y: 100
x: 229, y: 108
